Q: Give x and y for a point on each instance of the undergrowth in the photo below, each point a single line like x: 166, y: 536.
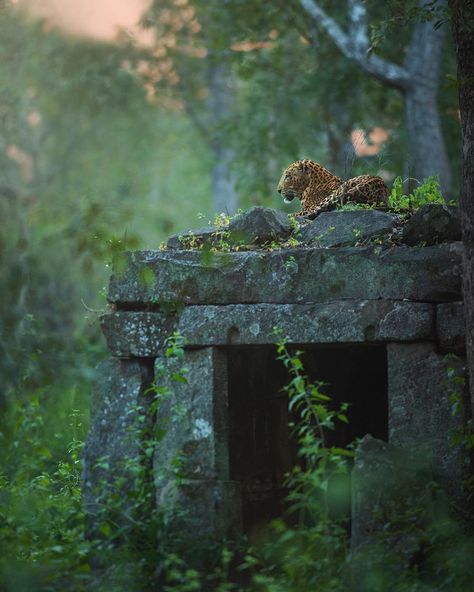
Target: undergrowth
x: 48, y: 544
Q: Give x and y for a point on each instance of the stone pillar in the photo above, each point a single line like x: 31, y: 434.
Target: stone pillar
x: 421, y: 385
x: 113, y: 458
x: 191, y: 461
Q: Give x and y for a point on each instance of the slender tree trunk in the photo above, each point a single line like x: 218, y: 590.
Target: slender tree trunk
x: 463, y: 32
x: 427, y: 150
x: 428, y: 155
x: 221, y: 103
x: 224, y: 195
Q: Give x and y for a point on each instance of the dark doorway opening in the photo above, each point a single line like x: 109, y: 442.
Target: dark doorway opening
x: 262, y: 448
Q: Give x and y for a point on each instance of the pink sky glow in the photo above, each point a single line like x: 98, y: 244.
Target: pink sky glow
x: 99, y: 19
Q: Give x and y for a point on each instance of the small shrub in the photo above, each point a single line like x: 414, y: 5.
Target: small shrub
x: 427, y: 192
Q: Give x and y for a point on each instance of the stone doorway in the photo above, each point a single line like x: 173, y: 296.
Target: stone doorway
x: 262, y: 448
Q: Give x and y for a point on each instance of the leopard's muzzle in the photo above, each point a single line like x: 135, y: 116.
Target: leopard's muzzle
x: 289, y: 196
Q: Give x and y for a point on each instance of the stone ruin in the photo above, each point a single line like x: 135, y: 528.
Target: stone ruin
x: 374, y: 302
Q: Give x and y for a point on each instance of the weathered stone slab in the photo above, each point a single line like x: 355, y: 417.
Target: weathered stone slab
x: 259, y: 225
x: 298, y: 275
x: 119, y: 415
x: 137, y: 334
x: 431, y: 224
x: 421, y: 384
x: 346, y: 321
x: 342, y: 228
x: 192, y: 417
x: 450, y: 327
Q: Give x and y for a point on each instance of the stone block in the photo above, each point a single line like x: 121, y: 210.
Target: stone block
x: 421, y: 386
x: 137, y: 334
x: 119, y: 414
x: 192, y: 417
x: 342, y: 228
x: 346, y: 321
x: 288, y: 276
x: 450, y: 327
x: 260, y: 225
x: 431, y: 224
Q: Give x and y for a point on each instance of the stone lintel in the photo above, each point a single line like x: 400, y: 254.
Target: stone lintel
x: 298, y: 275
x: 450, y: 327
x: 192, y: 417
x: 421, y: 386
x: 363, y: 321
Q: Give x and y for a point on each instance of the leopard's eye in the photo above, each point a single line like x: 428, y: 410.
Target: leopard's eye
x: 287, y: 176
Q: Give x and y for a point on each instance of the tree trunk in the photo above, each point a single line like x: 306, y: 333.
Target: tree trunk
x: 427, y: 151
x: 428, y: 155
x: 221, y: 103
x: 463, y: 33
x: 224, y: 195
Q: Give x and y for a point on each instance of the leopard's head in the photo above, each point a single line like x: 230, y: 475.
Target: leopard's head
x: 294, y: 180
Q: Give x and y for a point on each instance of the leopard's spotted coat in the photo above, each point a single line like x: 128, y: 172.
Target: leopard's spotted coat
x: 321, y: 191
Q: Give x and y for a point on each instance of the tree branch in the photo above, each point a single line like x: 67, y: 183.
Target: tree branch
x: 358, y: 16
x: 355, y: 45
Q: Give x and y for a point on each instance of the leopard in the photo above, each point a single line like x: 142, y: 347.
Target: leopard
x: 321, y: 191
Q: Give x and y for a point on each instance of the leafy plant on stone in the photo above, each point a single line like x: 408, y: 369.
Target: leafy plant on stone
x: 428, y: 191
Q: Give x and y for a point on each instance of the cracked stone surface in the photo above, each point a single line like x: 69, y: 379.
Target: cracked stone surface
x: 367, y: 321
x: 192, y: 416
x: 288, y: 276
x: 118, y: 402
x: 346, y: 228
x: 260, y: 225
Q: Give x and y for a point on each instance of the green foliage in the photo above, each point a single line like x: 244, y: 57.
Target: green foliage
x: 46, y: 543
x: 42, y: 536
x: 90, y: 168
x: 428, y: 191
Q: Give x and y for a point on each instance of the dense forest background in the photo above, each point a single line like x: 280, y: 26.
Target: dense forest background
x: 115, y: 143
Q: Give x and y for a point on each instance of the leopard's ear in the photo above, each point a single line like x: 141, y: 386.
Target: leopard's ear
x: 305, y: 167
